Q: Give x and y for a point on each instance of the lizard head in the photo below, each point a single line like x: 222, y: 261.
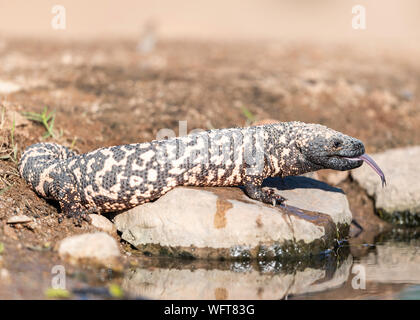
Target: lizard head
x: 325, y: 148
x: 328, y: 148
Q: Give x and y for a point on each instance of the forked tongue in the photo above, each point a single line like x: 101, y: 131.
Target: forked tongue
x: 373, y: 164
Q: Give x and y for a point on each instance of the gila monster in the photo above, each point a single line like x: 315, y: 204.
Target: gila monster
x: 121, y: 177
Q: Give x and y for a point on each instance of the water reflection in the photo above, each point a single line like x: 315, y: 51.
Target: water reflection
x: 242, y: 280
x: 385, y: 270
x: 390, y: 270
x: 393, y: 263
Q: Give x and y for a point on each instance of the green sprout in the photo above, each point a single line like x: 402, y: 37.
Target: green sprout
x: 45, y: 118
x: 73, y: 143
x: 248, y: 114
x: 4, y: 190
x: 116, y: 291
x: 53, y: 293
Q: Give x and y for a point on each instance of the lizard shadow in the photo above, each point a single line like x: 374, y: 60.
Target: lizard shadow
x: 298, y: 182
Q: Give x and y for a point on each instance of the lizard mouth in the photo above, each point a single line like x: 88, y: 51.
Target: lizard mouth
x: 366, y: 158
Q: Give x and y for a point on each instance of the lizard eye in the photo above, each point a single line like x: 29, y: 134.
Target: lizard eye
x: 337, y: 144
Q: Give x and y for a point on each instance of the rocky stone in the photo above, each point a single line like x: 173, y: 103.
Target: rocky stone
x: 103, y: 223
x: 7, y: 87
x: 225, y: 223
x: 4, y: 275
x: 98, y: 248
x: 399, y: 201
x: 310, y: 194
x: 21, y: 218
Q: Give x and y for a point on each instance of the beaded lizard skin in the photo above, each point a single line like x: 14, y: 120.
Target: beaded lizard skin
x: 121, y: 177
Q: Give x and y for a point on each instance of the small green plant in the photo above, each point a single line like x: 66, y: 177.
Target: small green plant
x: 57, y: 293
x: 45, y: 118
x: 248, y: 114
x: 116, y: 291
x: 73, y: 143
x: 4, y: 190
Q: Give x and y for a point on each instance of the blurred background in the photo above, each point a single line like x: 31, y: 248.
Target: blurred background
x: 390, y: 21
x: 303, y: 60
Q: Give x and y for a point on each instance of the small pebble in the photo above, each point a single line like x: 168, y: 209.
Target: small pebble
x: 103, y: 223
x: 99, y: 247
x: 20, y: 218
x: 4, y: 274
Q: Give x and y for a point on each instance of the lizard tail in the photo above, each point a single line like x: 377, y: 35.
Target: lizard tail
x: 38, y: 160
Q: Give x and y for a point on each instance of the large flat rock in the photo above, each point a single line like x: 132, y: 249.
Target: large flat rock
x: 313, y: 195
x: 225, y: 223
x: 399, y: 201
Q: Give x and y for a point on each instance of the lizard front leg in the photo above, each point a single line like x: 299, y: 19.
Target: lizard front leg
x: 75, y: 212
x: 254, y: 190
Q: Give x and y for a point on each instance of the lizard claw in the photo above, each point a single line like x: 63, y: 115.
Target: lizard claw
x: 77, y: 216
x: 275, y: 198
